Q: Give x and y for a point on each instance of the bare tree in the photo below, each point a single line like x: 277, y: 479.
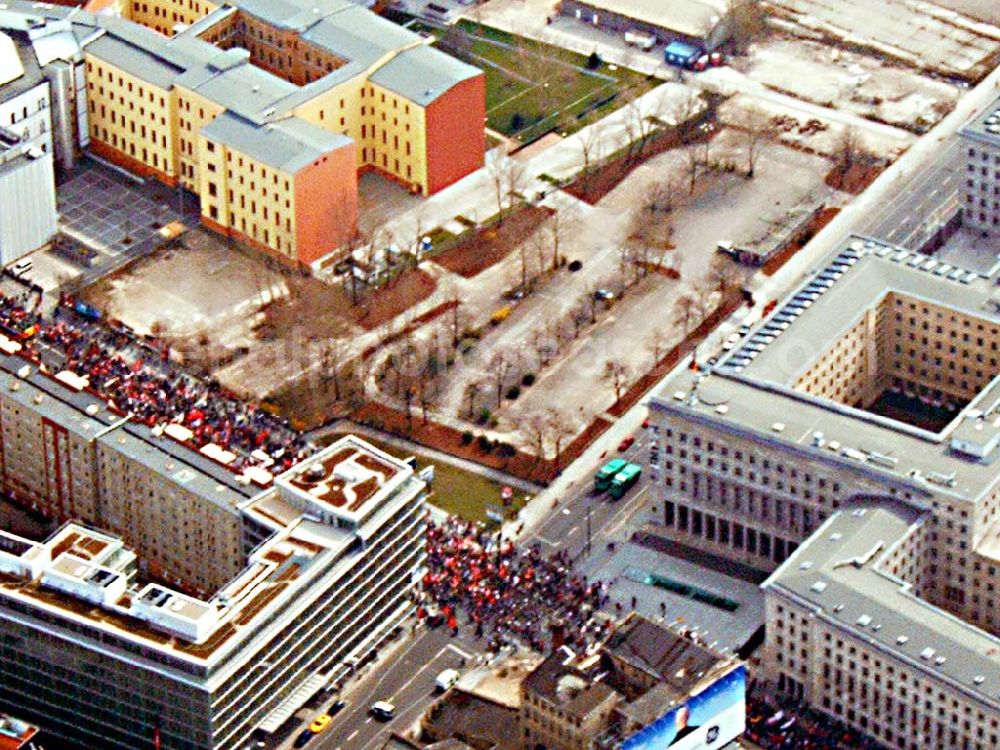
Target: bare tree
x: 538, y: 428
x: 524, y: 253
x: 684, y: 107
x: 723, y: 274
x: 848, y: 150
x: 508, y: 178
x: 590, y: 140
x: 561, y: 429
x: 616, y: 374
x: 757, y: 129
x: 499, y: 369
x: 556, y: 229
x: 748, y: 22
x: 688, y: 311
x: 657, y: 344
x: 472, y: 389
x: 697, y: 159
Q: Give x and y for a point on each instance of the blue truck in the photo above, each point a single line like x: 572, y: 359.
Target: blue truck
x: 682, y: 54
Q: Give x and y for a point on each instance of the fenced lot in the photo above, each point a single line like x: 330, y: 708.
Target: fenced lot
x: 533, y: 87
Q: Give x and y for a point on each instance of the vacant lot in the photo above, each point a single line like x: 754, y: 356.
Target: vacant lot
x: 923, y: 35
x: 203, y: 288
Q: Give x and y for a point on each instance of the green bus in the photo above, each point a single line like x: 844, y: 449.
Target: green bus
x: 602, y: 479
x: 624, y: 479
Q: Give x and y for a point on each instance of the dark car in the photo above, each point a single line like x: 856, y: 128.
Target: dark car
x: 303, y: 739
x: 575, y: 265
x: 336, y: 707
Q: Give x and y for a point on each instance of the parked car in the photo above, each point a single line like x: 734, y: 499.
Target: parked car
x: 605, y: 295
x: 575, y: 265
x: 626, y: 443
x: 303, y: 739
x: 336, y: 707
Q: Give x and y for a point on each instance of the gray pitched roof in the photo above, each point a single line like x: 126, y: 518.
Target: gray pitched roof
x: 422, y: 74
x: 288, y: 145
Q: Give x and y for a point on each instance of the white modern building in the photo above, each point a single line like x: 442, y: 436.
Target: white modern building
x: 27, y: 197
x: 100, y: 659
x: 43, y: 84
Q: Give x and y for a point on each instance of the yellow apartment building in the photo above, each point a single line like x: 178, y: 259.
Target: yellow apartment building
x: 338, y: 89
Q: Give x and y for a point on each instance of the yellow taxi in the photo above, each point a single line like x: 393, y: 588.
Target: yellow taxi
x: 320, y: 723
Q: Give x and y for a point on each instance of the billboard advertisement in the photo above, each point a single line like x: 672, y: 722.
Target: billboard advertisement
x: 707, y: 720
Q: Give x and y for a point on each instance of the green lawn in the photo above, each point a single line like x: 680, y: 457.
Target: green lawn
x: 455, y: 490
x: 533, y: 87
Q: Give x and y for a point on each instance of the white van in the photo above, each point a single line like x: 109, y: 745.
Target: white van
x: 640, y: 39
x: 22, y: 267
x: 446, y: 680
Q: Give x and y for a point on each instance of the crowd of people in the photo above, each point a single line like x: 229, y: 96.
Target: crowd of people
x: 139, y: 381
x: 777, y: 727
x: 505, y: 593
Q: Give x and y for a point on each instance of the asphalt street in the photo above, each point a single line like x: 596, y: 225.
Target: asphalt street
x: 922, y: 202
x: 566, y: 526
x: 403, y: 676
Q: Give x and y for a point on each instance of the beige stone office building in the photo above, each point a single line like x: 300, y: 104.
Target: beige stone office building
x: 981, y: 191
x: 874, y: 382
x: 847, y: 632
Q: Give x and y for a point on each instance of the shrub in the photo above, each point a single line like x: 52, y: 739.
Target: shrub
x: 594, y: 61
x: 484, y: 443
x: 506, y: 451
x: 467, y: 437
x: 513, y: 392
x: 484, y: 415
x: 494, y: 421
x: 528, y: 379
x: 517, y: 121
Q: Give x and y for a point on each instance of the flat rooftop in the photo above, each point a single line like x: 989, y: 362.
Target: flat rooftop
x: 837, y: 573
x: 67, y: 400
x: 81, y: 574
x: 346, y: 480
x: 749, y: 390
x: 985, y: 127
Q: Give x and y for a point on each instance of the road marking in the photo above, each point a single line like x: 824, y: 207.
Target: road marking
x: 356, y: 732
x: 543, y: 540
x: 459, y: 651
x: 572, y: 531
x: 626, y: 514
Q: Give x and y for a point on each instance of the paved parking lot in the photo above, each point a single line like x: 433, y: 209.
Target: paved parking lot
x: 102, y: 208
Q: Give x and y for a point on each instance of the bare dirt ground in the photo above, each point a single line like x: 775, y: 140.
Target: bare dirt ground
x: 923, y: 35
x: 855, y: 82
x: 203, y: 288
x: 488, y: 246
